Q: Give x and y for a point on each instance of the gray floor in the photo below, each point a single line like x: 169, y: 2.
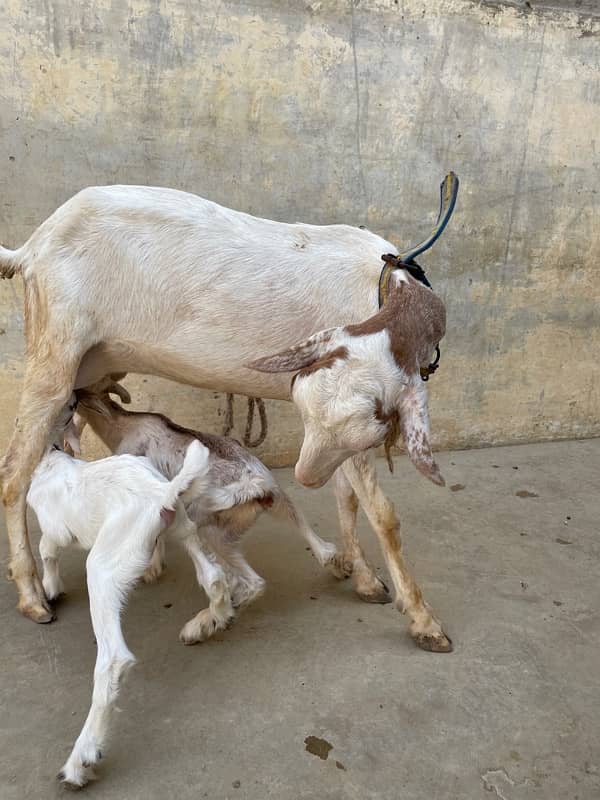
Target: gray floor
x: 514, y: 712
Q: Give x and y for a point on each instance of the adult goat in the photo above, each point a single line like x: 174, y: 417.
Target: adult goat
x: 157, y: 281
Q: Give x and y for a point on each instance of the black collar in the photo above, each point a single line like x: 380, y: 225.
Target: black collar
x: 393, y: 262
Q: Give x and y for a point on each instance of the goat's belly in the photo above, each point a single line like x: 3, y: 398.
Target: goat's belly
x: 189, y: 365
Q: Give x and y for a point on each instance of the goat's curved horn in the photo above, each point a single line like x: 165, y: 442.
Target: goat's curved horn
x: 448, y: 193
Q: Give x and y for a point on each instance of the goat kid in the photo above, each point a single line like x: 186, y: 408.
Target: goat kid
x: 117, y: 508
x: 241, y: 488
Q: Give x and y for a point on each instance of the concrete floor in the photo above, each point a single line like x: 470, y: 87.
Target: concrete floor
x: 514, y: 712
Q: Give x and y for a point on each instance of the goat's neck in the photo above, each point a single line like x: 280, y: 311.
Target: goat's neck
x: 111, y: 430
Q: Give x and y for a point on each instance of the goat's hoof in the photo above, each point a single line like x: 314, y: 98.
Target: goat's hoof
x: 54, y: 593
x: 202, y: 627
x: 71, y: 785
x: 433, y: 642
x: 378, y: 593
x: 42, y: 614
x: 339, y: 567
x: 75, y: 777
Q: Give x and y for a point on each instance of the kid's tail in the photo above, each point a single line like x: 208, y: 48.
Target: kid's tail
x: 191, y: 481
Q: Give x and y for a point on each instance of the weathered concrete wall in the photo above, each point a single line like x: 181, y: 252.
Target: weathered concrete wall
x: 341, y: 111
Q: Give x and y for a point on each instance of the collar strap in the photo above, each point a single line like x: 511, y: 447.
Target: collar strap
x: 426, y: 372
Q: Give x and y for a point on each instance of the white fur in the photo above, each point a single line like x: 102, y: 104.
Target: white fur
x: 112, y: 507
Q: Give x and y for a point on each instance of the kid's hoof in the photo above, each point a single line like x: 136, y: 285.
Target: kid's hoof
x: 339, y: 567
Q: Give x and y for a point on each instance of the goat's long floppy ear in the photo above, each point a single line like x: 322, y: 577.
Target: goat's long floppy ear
x: 296, y: 357
x: 414, y: 424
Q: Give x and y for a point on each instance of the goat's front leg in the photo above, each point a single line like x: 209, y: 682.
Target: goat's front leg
x: 47, y: 388
x: 366, y: 583
x: 425, y: 628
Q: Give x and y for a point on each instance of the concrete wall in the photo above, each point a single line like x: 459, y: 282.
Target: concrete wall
x: 341, y: 112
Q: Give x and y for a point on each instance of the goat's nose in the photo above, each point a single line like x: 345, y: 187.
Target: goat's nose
x: 308, y: 479
x: 303, y: 477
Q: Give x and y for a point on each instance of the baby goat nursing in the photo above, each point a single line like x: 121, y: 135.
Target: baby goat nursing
x: 241, y: 488
x: 117, y: 508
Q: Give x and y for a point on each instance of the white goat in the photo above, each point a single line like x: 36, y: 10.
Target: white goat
x: 152, y: 280
x: 117, y: 508
x: 241, y: 488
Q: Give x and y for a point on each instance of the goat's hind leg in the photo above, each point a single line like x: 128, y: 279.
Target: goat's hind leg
x: 157, y: 562
x: 210, y: 575
x: 326, y: 553
x: 113, y: 566
x: 367, y: 585
x: 47, y: 387
x: 246, y: 584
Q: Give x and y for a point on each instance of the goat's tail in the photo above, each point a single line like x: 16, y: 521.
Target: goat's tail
x: 191, y: 481
x: 283, y: 507
x: 9, y: 262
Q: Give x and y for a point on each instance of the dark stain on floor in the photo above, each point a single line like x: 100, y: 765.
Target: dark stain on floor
x: 525, y: 493
x: 318, y: 747
x: 456, y: 487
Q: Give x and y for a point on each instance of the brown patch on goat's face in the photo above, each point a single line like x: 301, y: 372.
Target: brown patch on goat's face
x: 415, y: 319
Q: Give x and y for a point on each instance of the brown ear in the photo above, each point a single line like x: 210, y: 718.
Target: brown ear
x: 414, y: 423
x: 296, y: 357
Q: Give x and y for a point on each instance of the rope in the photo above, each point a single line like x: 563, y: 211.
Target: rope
x: 253, y: 403
x: 228, y: 424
